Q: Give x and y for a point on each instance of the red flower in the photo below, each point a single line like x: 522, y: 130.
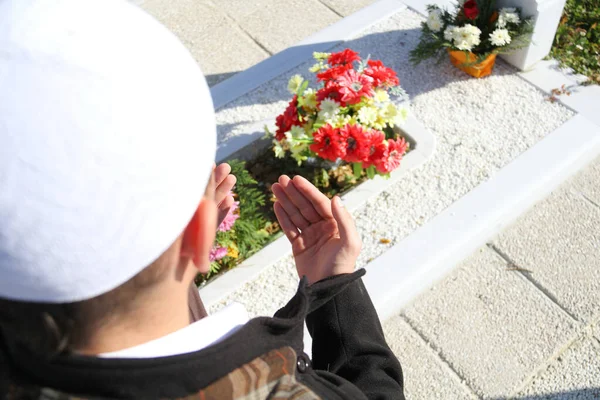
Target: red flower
x: 382, y: 75
x: 470, y: 9
x: 353, y: 86
x: 289, y: 118
x: 328, y: 143
x: 395, y: 151
x: 378, y: 148
x: 330, y: 91
x: 333, y: 73
x: 357, y: 143
x: 344, y: 57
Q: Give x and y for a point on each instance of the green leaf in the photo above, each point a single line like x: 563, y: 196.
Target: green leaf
x: 325, y: 175
x: 371, y: 172
x: 302, y: 88
x: 357, y: 170
x: 317, y: 125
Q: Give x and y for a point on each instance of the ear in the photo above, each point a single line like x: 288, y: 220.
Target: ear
x: 199, y: 235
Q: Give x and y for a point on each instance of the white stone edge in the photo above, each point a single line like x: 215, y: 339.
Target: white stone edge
x: 428, y: 254
x: 249, y: 269
x: 263, y: 72
x: 547, y: 75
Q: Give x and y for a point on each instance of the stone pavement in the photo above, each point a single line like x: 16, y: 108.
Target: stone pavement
x: 228, y: 36
x: 521, y: 317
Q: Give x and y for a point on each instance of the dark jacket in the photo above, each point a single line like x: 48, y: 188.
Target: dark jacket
x: 263, y: 359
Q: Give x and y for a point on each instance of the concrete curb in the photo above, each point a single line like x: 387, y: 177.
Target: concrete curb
x: 425, y: 256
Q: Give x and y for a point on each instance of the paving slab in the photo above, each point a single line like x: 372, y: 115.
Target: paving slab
x: 214, y: 39
x: 575, y: 374
x: 426, y: 376
x: 559, y: 242
x: 347, y: 7
x: 588, y: 181
x: 491, y: 325
x: 278, y: 28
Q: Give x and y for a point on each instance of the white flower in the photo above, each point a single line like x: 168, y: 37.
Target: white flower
x: 500, y: 37
x: 512, y: 18
x: 467, y: 37
x: 294, y: 83
x: 508, y: 16
x: 278, y: 149
x: 367, y: 115
x: 464, y: 45
x: 449, y: 33
x: 329, y: 108
x: 434, y: 20
x: 296, y: 133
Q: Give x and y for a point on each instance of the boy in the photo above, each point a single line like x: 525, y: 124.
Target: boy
x: 109, y: 203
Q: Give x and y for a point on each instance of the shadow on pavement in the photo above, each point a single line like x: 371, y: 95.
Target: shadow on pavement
x: 579, y: 394
x: 391, y: 47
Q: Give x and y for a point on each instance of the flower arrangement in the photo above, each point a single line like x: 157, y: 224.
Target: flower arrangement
x: 476, y: 28
x: 349, y: 117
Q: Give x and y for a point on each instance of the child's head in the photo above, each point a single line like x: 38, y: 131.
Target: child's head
x: 107, y: 142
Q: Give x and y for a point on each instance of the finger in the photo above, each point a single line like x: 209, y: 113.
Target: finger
x: 347, y: 228
x: 290, y: 208
x: 300, y: 201
x: 221, y: 172
x: 224, y: 189
x: 287, y: 226
x: 225, y: 205
x: 319, y: 201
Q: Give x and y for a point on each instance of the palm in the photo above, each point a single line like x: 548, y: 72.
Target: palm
x: 320, y: 247
x: 317, y: 247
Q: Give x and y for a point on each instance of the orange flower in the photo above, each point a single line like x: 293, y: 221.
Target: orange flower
x: 494, y: 17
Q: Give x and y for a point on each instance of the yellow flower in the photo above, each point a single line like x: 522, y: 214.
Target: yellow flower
x: 294, y: 83
x: 232, y: 251
x: 402, y: 116
x: 317, y: 67
x: 342, y: 120
x: 310, y: 99
x: 379, y: 123
x: 321, y: 56
x: 297, y: 149
x: 381, y: 96
x: 388, y: 112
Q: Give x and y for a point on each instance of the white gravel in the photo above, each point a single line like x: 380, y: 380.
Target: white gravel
x: 480, y: 126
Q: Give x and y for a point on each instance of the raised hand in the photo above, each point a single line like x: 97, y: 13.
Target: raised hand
x: 324, y: 239
x: 223, y: 184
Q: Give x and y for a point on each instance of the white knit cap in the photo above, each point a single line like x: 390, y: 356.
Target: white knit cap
x: 107, y: 139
